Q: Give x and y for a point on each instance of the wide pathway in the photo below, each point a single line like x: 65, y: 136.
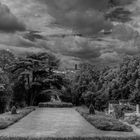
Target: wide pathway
x: 55, y: 122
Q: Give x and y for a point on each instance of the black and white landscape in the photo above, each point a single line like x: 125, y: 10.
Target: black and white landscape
x: 70, y: 69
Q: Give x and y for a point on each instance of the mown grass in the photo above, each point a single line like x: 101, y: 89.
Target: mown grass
x: 104, y: 122
x: 8, y: 119
x: 73, y: 138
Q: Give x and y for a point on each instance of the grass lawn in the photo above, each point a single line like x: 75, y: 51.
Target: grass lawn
x: 8, y: 119
x: 73, y: 138
x: 103, y: 122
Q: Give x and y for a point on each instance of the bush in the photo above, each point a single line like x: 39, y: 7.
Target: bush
x: 108, y: 124
x: 133, y: 120
x: 55, y: 104
x: 104, y: 122
x: 13, y: 110
x: 119, y: 111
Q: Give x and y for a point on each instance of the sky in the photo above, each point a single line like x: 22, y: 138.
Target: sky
x: 74, y: 31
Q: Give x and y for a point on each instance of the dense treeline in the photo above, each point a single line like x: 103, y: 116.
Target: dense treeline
x: 110, y: 83
x: 34, y: 78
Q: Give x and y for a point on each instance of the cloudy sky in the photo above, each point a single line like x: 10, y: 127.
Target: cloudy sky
x: 96, y: 31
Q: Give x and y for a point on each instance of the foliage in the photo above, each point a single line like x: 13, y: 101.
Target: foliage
x: 88, y: 97
x: 119, y: 113
x: 99, y: 86
x: 132, y: 119
x: 30, y: 75
x: 23, y: 78
x: 13, y: 110
x: 5, y: 92
x: 85, y: 80
x: 34, y: 73
x: 56, y: 104
x: 20, y: 93
x: 91, y: 109
x: 3, y: 101
x: 104, y: 122
x: 6, y: 58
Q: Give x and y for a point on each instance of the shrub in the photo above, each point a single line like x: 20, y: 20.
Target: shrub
x: 128, y: 108
x: 119, y: 113
x: 104, y: 122
x: 133, y: 120
x: 108, y: 124
x: 13, y: 110
x: 55, y: 104
x: 91, y: 109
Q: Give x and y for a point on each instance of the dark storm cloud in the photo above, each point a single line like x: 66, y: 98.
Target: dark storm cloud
x: 75, y: 47
x: 86, y: 51
x: 83, y: 16
x: 33, y: 35
x: 121, y: 2
x: 68, y: 5
x: 8, y: 22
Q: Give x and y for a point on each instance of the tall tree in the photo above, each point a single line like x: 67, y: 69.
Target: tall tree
x: 33, y: 70
x: 6, y: 59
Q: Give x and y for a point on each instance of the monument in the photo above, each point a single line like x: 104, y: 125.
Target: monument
x: 55, y: 98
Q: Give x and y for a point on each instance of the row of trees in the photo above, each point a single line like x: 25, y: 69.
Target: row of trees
x: 33, y: 78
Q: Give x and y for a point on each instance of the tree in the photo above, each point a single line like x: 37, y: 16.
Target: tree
x: 85, y: 80
x: 122, y: 81
x: 34, y: 70
x: 6, y: 59
x: 5, y: 92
